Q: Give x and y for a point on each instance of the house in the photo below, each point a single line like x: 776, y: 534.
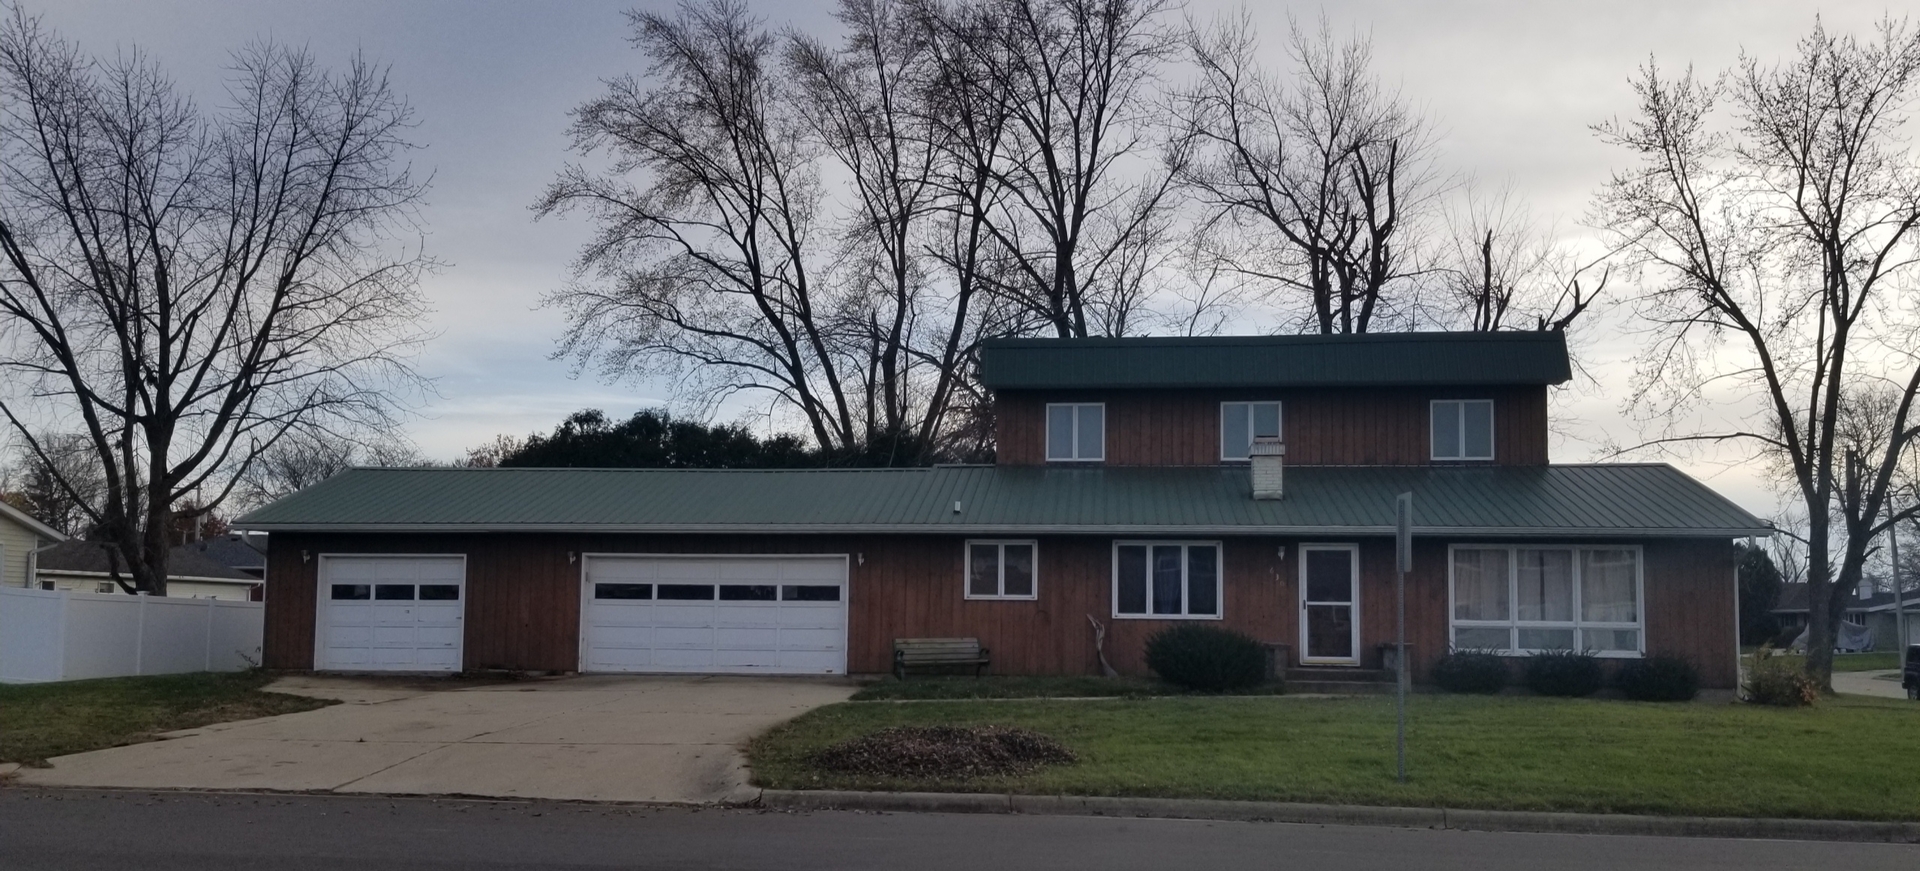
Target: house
x: 21, y: 537
x: 86, y: 566
x: 1873, y: 613
x: 1247, y: 482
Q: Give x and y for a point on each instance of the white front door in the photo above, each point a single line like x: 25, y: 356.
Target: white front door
x: 701, y: 614
x: 1330, y: 604
x: 390, y: 613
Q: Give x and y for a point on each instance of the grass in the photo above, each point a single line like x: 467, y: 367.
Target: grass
x: 922, y: 688
x: 1876, y: 661
x: 41, y: 721
x: 1506, y: 752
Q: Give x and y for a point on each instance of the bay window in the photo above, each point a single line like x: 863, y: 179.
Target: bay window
x: 1524, y: 599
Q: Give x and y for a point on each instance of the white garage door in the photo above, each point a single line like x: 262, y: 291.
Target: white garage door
x: 390, y: 613
x: 765, y: 615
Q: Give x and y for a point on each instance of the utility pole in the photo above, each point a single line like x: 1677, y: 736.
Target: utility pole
x: 1403, y: 562
x: 1899, y: 596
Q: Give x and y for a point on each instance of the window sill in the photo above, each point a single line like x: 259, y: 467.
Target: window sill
x: 973, y: 598
x: 1169, y: 617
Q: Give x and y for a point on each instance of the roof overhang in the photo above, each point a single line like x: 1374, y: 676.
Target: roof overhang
x: 1017, y: 529
x: 28, y: 521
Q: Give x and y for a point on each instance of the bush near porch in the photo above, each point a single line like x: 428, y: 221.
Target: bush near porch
x: 1499, y: 752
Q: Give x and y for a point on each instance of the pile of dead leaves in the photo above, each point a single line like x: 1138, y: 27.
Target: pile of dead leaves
x: 944, y: 752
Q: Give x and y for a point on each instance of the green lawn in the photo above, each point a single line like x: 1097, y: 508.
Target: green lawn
x: 1015, y: 687
x: 40, y: 721
x: 1521, y: 753
x: 1876, y: 661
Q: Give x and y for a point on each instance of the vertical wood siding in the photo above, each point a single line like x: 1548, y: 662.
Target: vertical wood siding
x: 523, y: 601
x: 1375, y: 426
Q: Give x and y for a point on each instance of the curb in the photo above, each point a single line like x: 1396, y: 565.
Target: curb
x: 1346, y: 815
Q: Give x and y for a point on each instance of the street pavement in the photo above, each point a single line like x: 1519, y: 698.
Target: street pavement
x: 1885, y: 684
x: 595, y: 738
x: 57, y: 830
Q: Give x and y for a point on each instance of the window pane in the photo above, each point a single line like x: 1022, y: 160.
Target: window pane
x: 1166, y: 579
x: 393, y: 592
x: 1546, y: 587
x: 1266, y: 419
x: 1233, y: 430
x: 623, y: 591
x: 440, y: 592
x: 811, y: 593
x: 1606, y: 587
x: 983, y: 575
x: 686, y: 592
x: 1092, y: 433
x: 1203, y: 578
x: 1446, y: 430
x: 1330, y: 631
x: 1611, y: 639
x: 1059, y: 432
x: 1546, y: 639
x: 1329, y: 576
x: 1479, y: 584
x: 1480, y: 638
x: 1019, y: 559
x: 1132, y: 574
x: 747, y: 592
x: 348, y: 592
x: 1479, y: 430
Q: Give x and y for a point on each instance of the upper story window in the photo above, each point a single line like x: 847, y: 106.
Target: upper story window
x: 1242, y: 422
x: 1076, y: 432
x: 1463, y: 429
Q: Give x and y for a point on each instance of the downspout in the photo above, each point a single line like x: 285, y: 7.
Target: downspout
x: 33, y: 565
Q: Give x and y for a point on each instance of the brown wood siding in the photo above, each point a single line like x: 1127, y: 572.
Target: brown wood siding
x: 1320, y: 427
x: 523, y: 601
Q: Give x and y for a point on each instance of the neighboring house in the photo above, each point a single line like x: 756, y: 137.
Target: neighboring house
x: 85, y: 566
x: 21, y: 537
x: 236, y: 551
x: 1242, y: 482
x: 1874, y: 613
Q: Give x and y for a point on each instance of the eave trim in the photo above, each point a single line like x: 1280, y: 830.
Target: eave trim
x: 1019, y: 529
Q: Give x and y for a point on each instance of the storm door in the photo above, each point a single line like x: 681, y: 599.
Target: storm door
x: 1330, y: 604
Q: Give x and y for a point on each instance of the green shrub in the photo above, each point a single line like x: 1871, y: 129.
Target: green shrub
x: 1564, y: 673
x: 1778, y: 681
x: 1658, y: 679
x: 1471, y: 671
x: 1206, y: 658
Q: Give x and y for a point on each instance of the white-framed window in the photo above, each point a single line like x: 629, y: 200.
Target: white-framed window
x: 1076, y: 432
x: 1002, y: 569
x: 1167, y: 580
x: 1462, y: 429
x: 1528, y: 598
x: 1242, y: 422
x: 1857, y: 618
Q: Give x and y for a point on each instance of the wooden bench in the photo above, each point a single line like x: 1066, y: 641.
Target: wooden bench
x: 929, y: 654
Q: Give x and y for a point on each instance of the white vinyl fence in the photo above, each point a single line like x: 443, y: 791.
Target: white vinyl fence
x: 49, y: 635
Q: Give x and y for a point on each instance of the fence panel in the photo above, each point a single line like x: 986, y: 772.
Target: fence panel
x: 64, y: 635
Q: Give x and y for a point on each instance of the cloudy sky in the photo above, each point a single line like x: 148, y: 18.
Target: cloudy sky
x: 1513, y: 87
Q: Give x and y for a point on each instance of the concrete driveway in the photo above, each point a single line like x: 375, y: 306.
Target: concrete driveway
x: 1885, y: 684
x: 599, y: 738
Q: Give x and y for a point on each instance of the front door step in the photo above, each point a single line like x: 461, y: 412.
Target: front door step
x: 1339, y: 681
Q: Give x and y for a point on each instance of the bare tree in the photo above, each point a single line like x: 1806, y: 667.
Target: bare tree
x: 303, y: 459
x: 189, y: 287
x: 1316, y: 187
x: 1781, y: 251
x: 61, y: 484
x: 1051, y: 100
x: 1502, y: 270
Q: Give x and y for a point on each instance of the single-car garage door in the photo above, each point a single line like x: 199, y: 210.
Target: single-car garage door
x: 390, y: 613
x: 744, y: 615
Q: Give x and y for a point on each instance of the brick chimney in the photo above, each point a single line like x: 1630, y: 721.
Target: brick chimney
x: 1268, y: 455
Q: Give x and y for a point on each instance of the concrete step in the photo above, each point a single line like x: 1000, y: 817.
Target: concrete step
x: 1344, y: 675
x: 1339, y: 687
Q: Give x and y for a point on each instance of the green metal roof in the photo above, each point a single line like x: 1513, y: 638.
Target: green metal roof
x: 1609, y: 500
x: 1364, y: 360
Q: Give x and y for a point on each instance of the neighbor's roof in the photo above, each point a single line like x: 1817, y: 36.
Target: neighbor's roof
x: 91, y: 558
x: 1362, y: 360
x: 1793, y: 599
x: 31, y: 523
x: 1610, y: 500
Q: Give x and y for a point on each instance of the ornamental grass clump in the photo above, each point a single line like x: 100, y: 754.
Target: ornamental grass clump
x: 1778, y: 681
x: 1471, y: 671
x: 1566, y: 673
x: 1206, y: 658
x: 943, y: 752
x: 1658, y: 679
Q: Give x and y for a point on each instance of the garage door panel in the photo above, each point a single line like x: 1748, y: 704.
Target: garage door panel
x: 765, y: 615
x: 380, y: 619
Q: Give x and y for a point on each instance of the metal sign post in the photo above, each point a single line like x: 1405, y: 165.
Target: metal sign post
x: 1403, y: 562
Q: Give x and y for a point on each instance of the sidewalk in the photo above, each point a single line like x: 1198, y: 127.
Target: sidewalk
x: 1883, y: 684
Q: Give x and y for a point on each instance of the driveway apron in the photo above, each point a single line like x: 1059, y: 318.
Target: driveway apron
x: 597, y: 738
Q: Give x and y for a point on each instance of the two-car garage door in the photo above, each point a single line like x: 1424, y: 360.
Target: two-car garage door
x: 750, y: 615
